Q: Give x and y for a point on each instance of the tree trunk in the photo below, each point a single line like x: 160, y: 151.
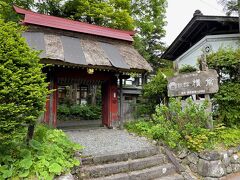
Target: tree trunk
x: 30, y: 132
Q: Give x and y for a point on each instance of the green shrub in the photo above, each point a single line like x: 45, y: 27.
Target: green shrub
x: 63, y: 109
x: 187, y: 69
x: 86, y: 112
x: 154, y: 93
x: 228, y: 101
x: 173, y: 122
x: 229, y: 137
x: 185, y: 127
x: 191, y: 113
x: 227, y: 63
x: 50, y: 153
x: 141, y: 109
x: 23, y: 89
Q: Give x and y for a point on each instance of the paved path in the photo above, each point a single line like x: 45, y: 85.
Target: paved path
x: 234, y: 176
x: 111, y: 141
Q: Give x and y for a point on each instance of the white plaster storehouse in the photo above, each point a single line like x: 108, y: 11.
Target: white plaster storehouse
x: 203, y: 34
x: 208, y: 44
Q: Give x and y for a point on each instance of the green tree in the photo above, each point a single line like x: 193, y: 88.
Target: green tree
x: 229, y: 6
x: 227, y: 64
x: 149, y: 17
x: 109, y: 13
x: 155, y: 91
x: 23, y: 89
x: 6, y: 9
x: 50, y: 7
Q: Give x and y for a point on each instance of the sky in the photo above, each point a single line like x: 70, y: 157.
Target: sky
x: 180, y: 12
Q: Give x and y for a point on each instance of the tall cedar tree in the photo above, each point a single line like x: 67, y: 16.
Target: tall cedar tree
x: 23, y: 89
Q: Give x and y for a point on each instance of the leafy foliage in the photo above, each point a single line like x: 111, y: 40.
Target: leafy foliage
x: 229, y: 6
x: 228, y: 104
x: 51, y: 7
x: 50, y: 153
x: 23, y: 89
x: 172, y: 124
x: 86, y: 112
x: 184, y: 127
x: 227, y: 64
x: 149, y: 18
x: 154, y: 92
x: 110, y: 13
x: 6, y: 9
x: 187, y: 69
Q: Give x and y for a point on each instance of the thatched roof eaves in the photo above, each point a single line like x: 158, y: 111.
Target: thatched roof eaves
x: 87, y: 52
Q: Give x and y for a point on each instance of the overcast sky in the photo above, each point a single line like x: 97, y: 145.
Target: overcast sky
x: 180, y: 12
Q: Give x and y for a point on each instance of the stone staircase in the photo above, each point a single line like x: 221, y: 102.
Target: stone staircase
x: 145, y: 164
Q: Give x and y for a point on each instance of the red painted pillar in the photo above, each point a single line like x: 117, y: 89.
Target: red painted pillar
x: 109, y: 103
x: 50, y: 116
x: 114, y: 115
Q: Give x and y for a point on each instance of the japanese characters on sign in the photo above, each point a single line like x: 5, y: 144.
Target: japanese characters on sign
x: 203, y: 82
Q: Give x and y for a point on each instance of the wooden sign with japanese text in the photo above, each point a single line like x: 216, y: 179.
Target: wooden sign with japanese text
x: 202, y: 82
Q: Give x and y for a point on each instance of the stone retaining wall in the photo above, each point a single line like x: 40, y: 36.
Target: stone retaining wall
x: 212, y: 164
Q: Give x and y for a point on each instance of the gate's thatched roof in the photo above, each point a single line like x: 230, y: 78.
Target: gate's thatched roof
x: 87, y: 52
x: 77, y: 43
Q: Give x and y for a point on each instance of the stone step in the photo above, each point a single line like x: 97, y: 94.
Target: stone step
x: 110, y: 158
x: 171, y: 177
x: 124, y: 166
x: 145, y: 174
x: 154, y: 172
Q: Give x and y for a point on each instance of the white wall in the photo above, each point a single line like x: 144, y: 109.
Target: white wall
x: 215, y: 42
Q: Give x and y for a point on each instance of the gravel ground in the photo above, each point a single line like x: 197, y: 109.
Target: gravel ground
x: 110, y: 141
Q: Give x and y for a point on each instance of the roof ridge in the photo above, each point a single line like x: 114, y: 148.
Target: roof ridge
x: 28, y: 14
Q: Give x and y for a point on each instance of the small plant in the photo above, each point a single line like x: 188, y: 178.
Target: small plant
x: 180, y: 127
x: 77, y: 112
x: 50, y: 153
x: 187, y: 69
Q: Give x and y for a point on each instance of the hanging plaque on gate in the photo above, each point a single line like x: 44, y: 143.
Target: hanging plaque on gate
x: 202, y: 82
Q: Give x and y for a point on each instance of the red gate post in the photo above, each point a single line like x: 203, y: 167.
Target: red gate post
x: 110, y: 103
x: 50, y: 115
